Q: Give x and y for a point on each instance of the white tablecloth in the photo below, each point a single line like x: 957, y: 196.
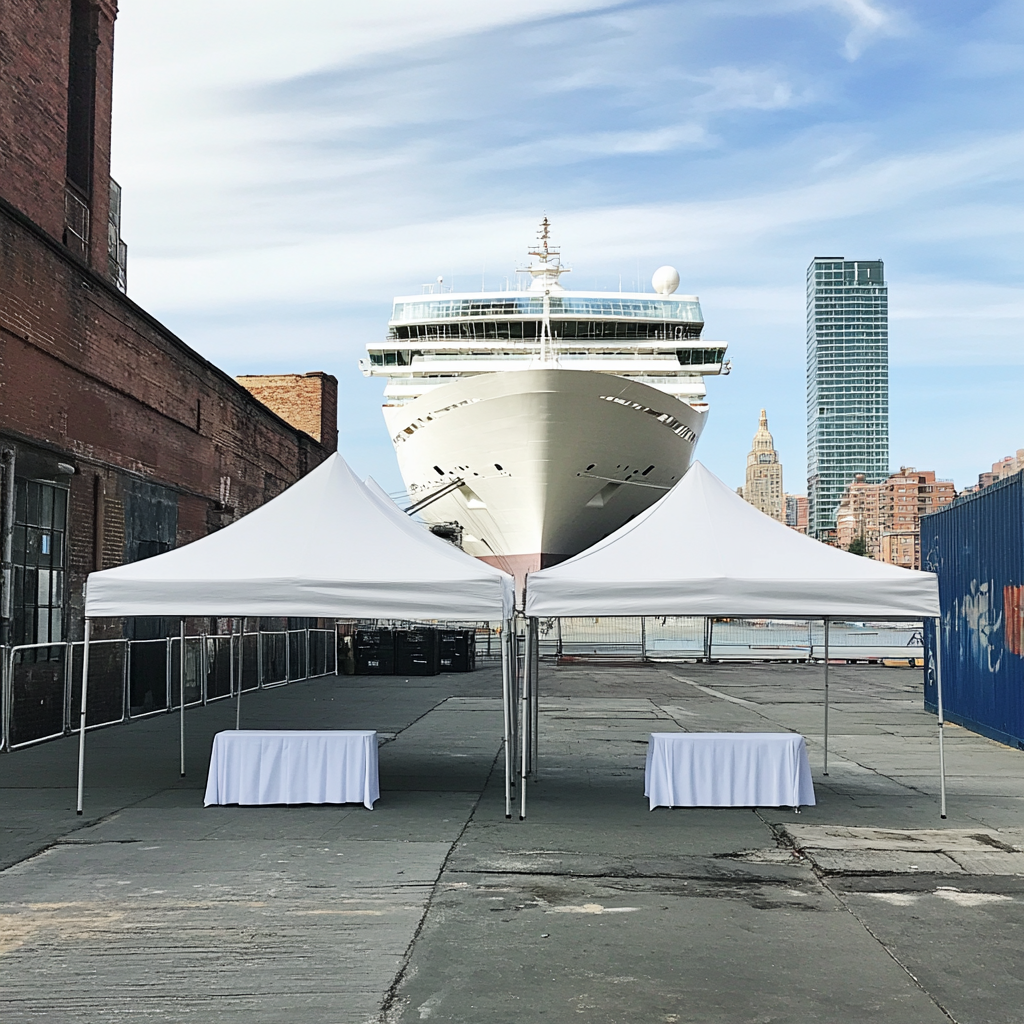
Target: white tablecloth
x: 727, y: 769
x: 253, y: 766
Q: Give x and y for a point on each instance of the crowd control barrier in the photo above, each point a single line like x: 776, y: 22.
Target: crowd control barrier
x: 40, y: 696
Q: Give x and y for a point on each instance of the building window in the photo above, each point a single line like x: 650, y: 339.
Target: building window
x: 38, y: 557
x: 82, y: 95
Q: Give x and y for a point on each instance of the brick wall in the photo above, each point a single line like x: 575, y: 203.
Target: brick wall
x: 87, y: 377
x: 308, y: 401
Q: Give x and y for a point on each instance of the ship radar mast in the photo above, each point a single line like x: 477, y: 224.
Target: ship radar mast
x: 547, y: 265
x: 545, y: 271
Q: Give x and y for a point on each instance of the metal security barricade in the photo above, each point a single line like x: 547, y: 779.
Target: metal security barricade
x: 193, y: 671
x: 148, y: 677
x: 870, y: 641
x: 36, y: 700
x: 220, y: 670
x: 108, y: 675
x: 674, y: 636
x: 297, y: 654
x: 40, y: 684
x: 323, y: 653
x: 737, y: 639
x: 251, y: 671
x: 604, y: 636
x: 273, y: 658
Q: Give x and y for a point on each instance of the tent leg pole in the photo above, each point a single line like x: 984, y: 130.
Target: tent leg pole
x: 505, y: 693
x: 524, y: 730
x: 826, y: 698
x: 938, y: 687
x: 238, y: 695
x: 81, y: 721
x: 181, y: 706
x: 535, y: 699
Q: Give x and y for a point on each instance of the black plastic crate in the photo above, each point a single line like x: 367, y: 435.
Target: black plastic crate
x: 457, y: 650
x: 417, y: 652
x: 374, y: 651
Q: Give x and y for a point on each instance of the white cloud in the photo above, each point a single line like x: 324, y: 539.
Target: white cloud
x: 355, y: 264
x: 868, y: 21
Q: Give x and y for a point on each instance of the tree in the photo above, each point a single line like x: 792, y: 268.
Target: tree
x: 859, y: 545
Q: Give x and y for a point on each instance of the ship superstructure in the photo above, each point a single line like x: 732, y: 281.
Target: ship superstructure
x: 544, y: 418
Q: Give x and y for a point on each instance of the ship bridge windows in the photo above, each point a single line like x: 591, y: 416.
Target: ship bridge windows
x: 699, y: 356
x: 392, y: 357
x: 681, y: 309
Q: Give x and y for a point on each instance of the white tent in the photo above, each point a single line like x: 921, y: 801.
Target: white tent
x: 328, y: 546
x: 703, y: 550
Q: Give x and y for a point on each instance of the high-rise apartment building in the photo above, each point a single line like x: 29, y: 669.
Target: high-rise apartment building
x: 847, y: 383
x: 763, y: 487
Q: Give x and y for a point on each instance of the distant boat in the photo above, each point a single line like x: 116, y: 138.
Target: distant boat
x: 541, y: 420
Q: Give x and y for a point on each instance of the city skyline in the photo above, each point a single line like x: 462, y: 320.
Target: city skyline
x: 279, y: 194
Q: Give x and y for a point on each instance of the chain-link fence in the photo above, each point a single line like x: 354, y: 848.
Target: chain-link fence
x: 683, y: 637
x: 42, y: 683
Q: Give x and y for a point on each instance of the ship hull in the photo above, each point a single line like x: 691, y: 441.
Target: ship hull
x: 551, y: 460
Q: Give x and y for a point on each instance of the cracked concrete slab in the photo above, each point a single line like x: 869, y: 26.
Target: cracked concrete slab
x: 433, y: 906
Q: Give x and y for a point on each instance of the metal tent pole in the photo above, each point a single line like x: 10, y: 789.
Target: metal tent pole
x: 506, y: 690
x: 81, y: 722
x: 535, y: 699
x: 938, y: 687
x: 524, y: 733
x: 181, y: 695
x: 238, y: 696
x: 826, y: 696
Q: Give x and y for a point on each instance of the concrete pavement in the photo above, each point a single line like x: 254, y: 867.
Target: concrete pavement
x: 864, y: 908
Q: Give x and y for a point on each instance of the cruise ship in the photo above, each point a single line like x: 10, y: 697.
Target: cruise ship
x: 535, y: 422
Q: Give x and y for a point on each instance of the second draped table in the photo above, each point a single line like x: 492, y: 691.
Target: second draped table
x: 726, y: 769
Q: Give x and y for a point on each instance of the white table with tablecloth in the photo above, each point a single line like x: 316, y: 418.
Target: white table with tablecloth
x: 727, y: 769
x: 291, y: 766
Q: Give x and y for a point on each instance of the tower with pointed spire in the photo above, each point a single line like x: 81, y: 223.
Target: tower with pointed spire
x: 763, y: 488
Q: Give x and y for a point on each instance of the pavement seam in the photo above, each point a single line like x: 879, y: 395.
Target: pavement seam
x: 390, y: 1003
x: 748, y: 704
x: 783, y: 838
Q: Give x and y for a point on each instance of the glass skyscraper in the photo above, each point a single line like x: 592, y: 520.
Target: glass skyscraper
x: 847, y: 382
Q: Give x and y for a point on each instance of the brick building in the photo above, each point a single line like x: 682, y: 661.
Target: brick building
x: 888, y: 514
x: 1005, y: 467
x: 117, y: 440
x: 858, y: 516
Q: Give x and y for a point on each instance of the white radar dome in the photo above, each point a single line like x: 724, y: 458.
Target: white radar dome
x: 665, y: 280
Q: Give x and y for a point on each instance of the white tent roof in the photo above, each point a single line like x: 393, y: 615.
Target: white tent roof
x: 328, y: 547
x: 703, y: 550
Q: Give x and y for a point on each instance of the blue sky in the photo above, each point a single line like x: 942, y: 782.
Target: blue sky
x: 285, y: 177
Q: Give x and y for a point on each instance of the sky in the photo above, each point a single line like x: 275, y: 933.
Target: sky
x: 288, y: 170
